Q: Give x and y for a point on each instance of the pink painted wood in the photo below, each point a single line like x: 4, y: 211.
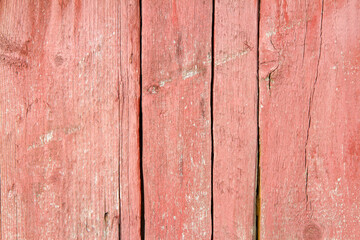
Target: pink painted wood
x: 309, y: 119
x: 70, y: 119
x: 235, y: 119
x: 176, y: 60
x: 129, y: 94
x: 59, y: 119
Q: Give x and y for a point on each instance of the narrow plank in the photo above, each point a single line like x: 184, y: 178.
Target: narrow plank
x: 176, y: 64
x: 130, y: 185
x: 309, y: 119
x: 59, y: 119
x: 235, y: 119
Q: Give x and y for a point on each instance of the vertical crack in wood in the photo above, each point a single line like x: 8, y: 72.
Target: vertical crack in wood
x: 142, y: 227
x: 257, y: 203
x: 105, y: 218
x: 309, y: 109
x: 212, y: 114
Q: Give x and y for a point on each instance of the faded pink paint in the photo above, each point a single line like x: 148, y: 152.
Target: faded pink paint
x: 235, y: 119
x: 59, y: 119
x: 70, y: 109
x: 129, y: 94
x: 309, y: 120
x: 176, y: 60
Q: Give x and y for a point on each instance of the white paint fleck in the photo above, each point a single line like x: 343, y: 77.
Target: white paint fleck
x: 43, y: 140
x: 269, y: 34
x: 190, y: 73
x: 227, y: 58
x: 162, y: 83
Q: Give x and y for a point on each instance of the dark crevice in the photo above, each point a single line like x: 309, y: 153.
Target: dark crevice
x: 257, y: 200
x: 306, y: 184
x: 106, y: 219
x: 269, y: 79
x: 309, y: 108
x: 142, y: 228
x: 212, y: 115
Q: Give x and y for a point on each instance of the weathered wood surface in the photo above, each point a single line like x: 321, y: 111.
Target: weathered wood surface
x: 176, y: 84
x: 70, y: 119
x: 59, y: 122
x: 309, y: 119
x: 235, y: 118
x: 129, y: 94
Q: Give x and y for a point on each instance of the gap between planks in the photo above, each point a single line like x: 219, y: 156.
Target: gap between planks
x: 257, y: 212
x: 142, y: 225
x: 212, y: 115
x: 257, y: 189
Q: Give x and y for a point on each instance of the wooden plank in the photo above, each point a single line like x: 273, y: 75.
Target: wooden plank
x: 59, y: 119
x: 130, y: 185
x: 235, y: 119
x: 176, y: 63
x: 309, y: 119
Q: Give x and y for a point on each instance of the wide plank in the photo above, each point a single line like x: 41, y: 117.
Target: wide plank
x: 176, y: 84
x: 309, y: 119
x: 235, y: 118
x: 59, y: 119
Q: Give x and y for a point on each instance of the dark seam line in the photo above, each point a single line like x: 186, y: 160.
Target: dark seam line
x: 212, y: 115
x: 257, y: 199
x: 142, y: 228
x: 309, y: 112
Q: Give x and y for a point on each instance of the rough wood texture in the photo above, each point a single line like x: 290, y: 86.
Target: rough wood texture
x: 176, y: 60
x: 129, y: 94
x: 70, y: 119
x: 235, y: 119
x: 309, y: 119
x: 59, y: 119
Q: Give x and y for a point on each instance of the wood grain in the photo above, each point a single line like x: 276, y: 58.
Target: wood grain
x: 309, y: 119
x: 235, y: 119
x: 129, y: 94
x: 176, y: 77
x: 70, y: 134
x: 59, y: 119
